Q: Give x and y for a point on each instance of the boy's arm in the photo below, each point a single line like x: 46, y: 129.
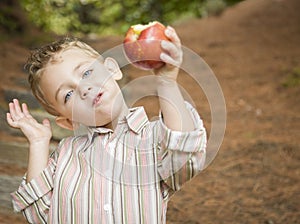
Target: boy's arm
x: 175, y: 115
x: 33, y: 196
x: 38, y: 135
x: 183, y: 144
x: 181, y: 155
x: 173, y: 109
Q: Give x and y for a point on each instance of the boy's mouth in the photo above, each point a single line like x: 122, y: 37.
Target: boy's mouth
x: 97, y: 99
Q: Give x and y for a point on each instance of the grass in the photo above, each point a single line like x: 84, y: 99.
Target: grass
x: 292, y: 79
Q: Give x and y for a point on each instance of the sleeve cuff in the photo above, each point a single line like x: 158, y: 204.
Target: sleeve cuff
x: 191, y: 141
x: 30, y: 192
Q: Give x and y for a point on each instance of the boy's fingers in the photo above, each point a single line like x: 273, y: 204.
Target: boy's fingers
x: 172, y: 49
x: 173, y: 55
x: 172, y: 35
x: 169, y: 60
x: 46, y: 122
x: 15, y: 111
x: 10, y: 121
x: 8, y: 118
x: 25, y: 110
x: 12, y: 110
x: 17, y: 106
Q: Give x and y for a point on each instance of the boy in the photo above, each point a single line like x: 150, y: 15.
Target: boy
x: 125, y: 168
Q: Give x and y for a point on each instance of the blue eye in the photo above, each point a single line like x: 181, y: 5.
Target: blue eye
x: 86, y: 74
x: 68, y: 96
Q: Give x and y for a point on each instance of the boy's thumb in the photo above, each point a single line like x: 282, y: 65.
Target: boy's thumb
x: 46, y: 122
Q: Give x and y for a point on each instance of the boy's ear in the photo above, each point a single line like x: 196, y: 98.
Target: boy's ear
x: 64, y: 122
x: 113, y: 67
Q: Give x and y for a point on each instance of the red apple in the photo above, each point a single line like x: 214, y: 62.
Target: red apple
x: 142, y: 45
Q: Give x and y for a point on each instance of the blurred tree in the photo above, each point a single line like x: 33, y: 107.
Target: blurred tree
x: 101, y: 16
x: 12, y: 18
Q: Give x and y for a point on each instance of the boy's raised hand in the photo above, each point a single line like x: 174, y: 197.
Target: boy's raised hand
x: 19, y: 117
x: 172, y: 55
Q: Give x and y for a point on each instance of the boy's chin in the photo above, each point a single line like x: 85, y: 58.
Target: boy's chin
x: 106, y: 124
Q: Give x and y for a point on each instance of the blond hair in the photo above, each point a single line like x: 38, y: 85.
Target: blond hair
x: 40, y: 58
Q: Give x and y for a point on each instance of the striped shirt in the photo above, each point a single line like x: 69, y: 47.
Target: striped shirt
x: 120, y: 176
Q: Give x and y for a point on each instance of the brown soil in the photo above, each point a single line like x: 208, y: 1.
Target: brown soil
x: 253, y: 49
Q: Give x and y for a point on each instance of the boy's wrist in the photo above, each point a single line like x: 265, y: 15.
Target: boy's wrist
x: 163, y: 81
x: 39, y: 144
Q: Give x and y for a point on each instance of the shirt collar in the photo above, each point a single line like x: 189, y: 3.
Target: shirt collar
x: 136, y: 120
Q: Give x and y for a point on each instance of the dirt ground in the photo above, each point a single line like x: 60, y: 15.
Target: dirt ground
x: 253, y: 49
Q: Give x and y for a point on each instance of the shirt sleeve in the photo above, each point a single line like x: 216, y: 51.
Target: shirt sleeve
x: 33, y: 198
x: 181, y: 155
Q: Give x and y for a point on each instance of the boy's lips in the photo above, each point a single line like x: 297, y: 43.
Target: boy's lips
x: 97, y: 99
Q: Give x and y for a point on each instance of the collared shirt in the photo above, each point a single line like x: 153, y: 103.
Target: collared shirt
x: 120, y: 176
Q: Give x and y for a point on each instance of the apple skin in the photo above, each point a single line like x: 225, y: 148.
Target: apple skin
x: 143, y: 49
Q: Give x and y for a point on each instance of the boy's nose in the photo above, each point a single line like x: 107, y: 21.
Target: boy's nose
x: 84, y: 91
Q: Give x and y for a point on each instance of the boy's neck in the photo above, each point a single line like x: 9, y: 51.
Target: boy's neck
x: 123, y: 113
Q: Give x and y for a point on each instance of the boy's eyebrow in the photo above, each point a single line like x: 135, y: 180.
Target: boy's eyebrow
x: 76, y: 68
x: 79, y: 65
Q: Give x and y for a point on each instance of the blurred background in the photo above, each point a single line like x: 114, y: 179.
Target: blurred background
x: 85, y: 17
x: 252, y: 46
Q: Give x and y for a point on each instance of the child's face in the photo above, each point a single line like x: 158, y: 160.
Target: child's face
x: 82, y: 89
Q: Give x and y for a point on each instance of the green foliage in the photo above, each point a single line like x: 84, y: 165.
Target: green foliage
x: 213, y: 7
x: 112, y: 16
x: 10, y: 17
x: 7, y: 23
x: 232, y: 2
x: 292, y: 79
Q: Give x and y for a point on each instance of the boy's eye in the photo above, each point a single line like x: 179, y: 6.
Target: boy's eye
x: 86, y: 73
x: 68, y: 96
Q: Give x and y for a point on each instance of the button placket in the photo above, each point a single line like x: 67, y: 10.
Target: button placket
x: 107, y: 208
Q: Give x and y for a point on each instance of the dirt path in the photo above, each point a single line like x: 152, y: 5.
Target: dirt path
x: 253, y: 49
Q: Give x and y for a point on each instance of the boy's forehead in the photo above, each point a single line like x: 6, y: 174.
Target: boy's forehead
x: 72, y: 55
x: 71, y: 51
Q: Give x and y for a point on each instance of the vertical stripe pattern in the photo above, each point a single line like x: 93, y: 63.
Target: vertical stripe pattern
x: 114, y: 177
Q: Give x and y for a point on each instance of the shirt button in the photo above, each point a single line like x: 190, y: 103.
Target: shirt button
x: 106, y: 207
